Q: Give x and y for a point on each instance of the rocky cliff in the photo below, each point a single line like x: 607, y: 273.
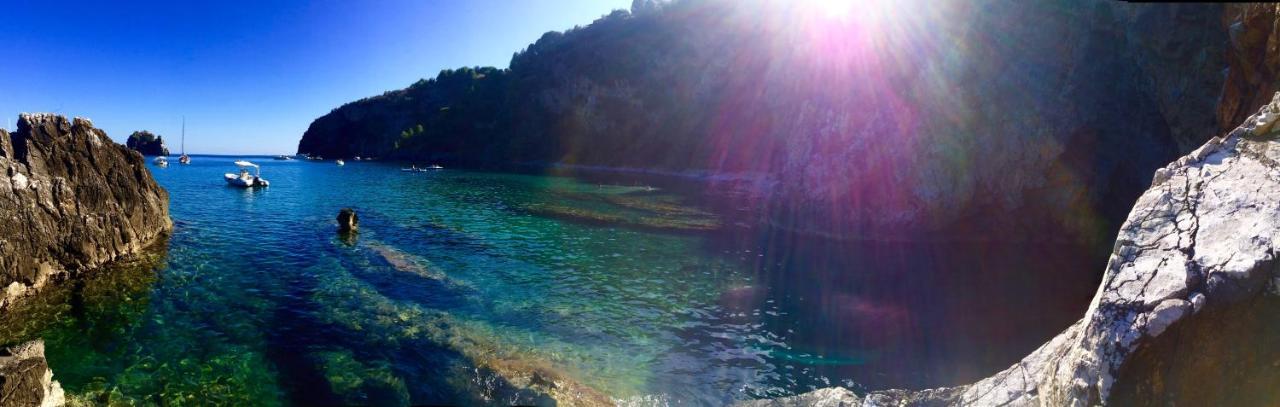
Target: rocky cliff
x: 146, y: 143
x: 982, y: 119
x: 1186, y: 311
x: 72, y: 201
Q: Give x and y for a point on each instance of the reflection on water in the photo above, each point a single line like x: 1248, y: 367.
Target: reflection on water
x: 468, y: 288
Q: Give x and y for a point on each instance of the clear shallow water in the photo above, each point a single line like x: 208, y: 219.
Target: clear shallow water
x: 457, y: 275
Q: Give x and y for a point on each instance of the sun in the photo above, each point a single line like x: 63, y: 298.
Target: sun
x: 865, y: 11
x: 835, y: 9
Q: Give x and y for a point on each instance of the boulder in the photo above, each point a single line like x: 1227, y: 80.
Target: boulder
x: 25, y: 378
x: 348, y: 221
x: 1192, y: 281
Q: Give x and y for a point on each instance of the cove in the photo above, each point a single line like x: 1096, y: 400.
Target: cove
x: 461, y: 280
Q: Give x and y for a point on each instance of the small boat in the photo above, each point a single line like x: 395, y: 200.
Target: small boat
x: 414, y: 168
x: 436, y: 167
x: 184, y: 159
x: 244, y: 180
x: 357, y: 158
x: 161, y: 161
x: 340, y: 162
x: 283, y: 157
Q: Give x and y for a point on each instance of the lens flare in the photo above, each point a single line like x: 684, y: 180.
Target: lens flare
x: 868, y: 12
x: 837, y: 9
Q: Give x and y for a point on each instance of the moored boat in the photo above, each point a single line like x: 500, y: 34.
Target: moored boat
x: 243, y: 179
x: 184, y: 159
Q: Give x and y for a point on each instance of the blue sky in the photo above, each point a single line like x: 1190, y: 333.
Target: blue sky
x: 250, y: 76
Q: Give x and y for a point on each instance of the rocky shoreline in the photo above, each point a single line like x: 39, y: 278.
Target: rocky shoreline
x: 76, y: 201
x: 1202, y: 238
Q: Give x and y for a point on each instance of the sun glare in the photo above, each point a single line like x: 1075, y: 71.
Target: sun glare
x: 837, y: 9
x: 865, y: 11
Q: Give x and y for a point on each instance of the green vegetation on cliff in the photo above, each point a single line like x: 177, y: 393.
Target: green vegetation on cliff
x: 600, y: 94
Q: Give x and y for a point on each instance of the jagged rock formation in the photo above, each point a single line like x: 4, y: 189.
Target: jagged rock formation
x: 146, y: 143
x: 25, y: 378
x: 1200, y: 242
x: 72, y: 200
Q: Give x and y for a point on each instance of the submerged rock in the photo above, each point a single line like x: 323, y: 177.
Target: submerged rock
x: 1200, y: 243
x: 25, y: 378
x: 487, y: 371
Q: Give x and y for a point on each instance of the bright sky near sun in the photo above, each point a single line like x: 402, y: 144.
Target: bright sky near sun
x: 249, y: 76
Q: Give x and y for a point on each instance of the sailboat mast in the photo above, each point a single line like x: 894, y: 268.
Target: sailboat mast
x: 184, y: 135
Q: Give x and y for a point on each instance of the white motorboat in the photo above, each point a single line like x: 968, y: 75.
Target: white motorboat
x: 284, y: 158
x: 160, y: 161
x: 340, y: 162
x: 436, y: 167
x: 243, y: 179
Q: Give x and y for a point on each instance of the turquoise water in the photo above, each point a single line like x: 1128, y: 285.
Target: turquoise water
x: 464, y: 287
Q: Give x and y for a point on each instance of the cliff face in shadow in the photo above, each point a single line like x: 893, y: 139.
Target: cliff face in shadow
x: 989, y: 118
x: 1186, y: 305
x: 74, y: 200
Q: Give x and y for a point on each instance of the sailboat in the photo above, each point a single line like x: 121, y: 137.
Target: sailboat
x: 184, y: 159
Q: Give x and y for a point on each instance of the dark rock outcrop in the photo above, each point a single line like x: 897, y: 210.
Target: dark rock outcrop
x: 348, y: 221
x: 25, y: 378
x: 1192, y: 280
x: 72, y: 200
x: 146, y: 143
